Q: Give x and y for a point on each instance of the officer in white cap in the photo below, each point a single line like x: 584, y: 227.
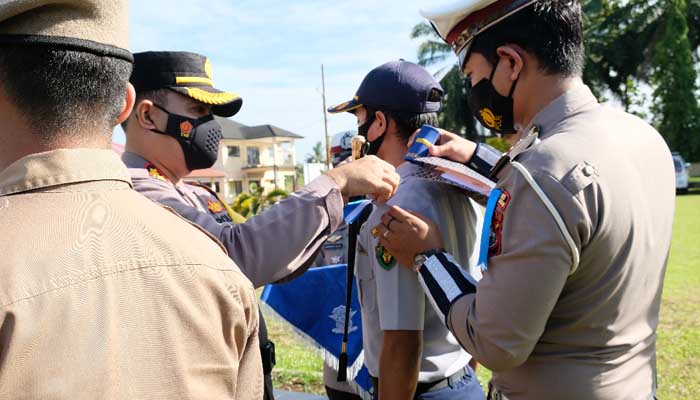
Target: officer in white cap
x: 580, y: 222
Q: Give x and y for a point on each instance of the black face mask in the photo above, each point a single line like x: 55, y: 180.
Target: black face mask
x: 490, y: 108
x: 370, y: 148
x: 198, y: 137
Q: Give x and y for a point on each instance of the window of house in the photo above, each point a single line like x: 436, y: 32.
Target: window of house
x: 235, y: 188
x: 234, y: 151
x: 253, y: 155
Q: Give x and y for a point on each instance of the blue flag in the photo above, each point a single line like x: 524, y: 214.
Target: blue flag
x: 314, y: 304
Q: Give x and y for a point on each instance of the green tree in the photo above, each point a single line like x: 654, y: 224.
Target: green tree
x: 318, y: 154
x: 455, y: 116
x: 629, y: 44
x: 253, y: 203
x: 674, y: 77
x: 635, y: 42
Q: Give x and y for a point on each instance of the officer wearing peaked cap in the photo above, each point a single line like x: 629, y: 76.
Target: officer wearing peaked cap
x: 579, y: 225
x: 104, y: 294
x: 172, y: 131
x: 407, y: 349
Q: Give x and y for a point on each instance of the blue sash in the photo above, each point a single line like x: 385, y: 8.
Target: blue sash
x: 314, y: 304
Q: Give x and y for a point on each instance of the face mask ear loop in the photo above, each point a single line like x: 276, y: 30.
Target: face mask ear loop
x: 161, y: 108
x: 512, y: 88
x: 493, y: 72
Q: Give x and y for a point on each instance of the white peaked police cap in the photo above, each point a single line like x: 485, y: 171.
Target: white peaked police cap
x: 458, y: 22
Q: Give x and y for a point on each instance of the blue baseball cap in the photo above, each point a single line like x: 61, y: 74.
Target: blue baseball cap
x: 396, y: 86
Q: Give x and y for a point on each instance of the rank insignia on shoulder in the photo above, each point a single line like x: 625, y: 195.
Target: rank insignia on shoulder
x: 334, y: 238
x: 386, y: 260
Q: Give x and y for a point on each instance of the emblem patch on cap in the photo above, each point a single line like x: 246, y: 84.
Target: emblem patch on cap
x: 490, y: 120
x: 495, y: 237
x: 186, y: 129
x: 386, y: 260
x: 215, y: 206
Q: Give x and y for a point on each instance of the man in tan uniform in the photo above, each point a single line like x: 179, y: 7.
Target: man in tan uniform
x: 172, y: 131
x: 580, y: 223
x: 103, y: 293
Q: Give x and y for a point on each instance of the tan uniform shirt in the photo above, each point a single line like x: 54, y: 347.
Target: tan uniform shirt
x: 262, y: 247
x: 569, y: 305
x: 106, y: 295
x: 390, y: 295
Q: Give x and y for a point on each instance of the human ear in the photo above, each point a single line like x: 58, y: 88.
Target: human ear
x: 514, y: 59
x: 128, y: 104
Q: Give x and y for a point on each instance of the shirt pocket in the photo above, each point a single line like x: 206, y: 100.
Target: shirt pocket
x: 366, y: 284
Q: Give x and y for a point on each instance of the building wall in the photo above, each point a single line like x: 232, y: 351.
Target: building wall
x: 240, y: 175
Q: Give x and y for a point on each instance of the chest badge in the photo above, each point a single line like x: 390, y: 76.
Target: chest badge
x: 386, y: 260
x: 215, y: 206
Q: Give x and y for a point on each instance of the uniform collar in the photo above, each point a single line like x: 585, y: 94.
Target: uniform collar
x: 139, y: 167
x: 406, y: 169
x: 561, y: 108
x: 133, y: 160
x: 62, y: 167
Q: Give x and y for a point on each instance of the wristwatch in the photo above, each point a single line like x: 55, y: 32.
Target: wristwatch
x: 484, y: 159
x: 421, y: 258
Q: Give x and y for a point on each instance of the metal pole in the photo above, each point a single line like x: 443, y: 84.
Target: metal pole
x: 325, y: 119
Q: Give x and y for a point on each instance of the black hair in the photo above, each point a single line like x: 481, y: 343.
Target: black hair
x: 550, y: 30
x: 409, y: 122
x: 158, y: 96
x: 64, y: 92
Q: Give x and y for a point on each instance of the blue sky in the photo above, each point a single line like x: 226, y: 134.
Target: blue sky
x: 270, y: 52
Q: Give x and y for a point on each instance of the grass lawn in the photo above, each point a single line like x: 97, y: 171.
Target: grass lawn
x: 299, y: 367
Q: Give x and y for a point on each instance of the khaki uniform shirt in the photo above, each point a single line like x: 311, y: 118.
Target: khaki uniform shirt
x: 569, y: 305
x: 390, y: 295
x: 106, y: 295
x: 262, y: 247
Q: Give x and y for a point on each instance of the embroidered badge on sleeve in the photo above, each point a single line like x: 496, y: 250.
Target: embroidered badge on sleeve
x: 495, y: 237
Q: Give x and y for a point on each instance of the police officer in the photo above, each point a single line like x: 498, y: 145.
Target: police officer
x: 408, y: 350
x: 172, y: 131
x: 103, y: 294
x: 580, y: 223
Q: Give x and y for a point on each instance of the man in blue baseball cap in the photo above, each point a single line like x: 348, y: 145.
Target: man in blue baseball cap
x: 407, y: 348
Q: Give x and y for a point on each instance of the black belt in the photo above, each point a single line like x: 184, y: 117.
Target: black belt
x: 424, y: 387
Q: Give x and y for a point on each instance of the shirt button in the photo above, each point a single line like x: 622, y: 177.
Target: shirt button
x: 588, y: 170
